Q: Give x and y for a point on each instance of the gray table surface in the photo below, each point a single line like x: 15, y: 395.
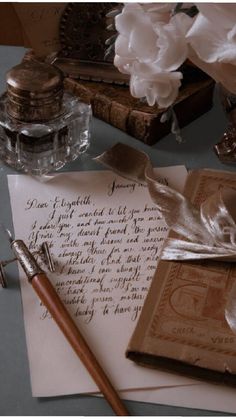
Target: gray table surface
x: 15, y: 392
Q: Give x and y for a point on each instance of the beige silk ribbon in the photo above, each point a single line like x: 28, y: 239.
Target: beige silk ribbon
x: 205, y: 233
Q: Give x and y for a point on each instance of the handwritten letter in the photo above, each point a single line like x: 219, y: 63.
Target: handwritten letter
x: 105, y: 235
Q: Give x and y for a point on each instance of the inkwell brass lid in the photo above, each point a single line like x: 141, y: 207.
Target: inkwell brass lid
x: 34, y: 91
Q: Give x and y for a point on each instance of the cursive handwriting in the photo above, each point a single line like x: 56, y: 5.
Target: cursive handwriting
x: 106, y: 251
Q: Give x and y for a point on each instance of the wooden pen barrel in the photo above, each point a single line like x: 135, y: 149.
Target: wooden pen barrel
x: 59, y: 313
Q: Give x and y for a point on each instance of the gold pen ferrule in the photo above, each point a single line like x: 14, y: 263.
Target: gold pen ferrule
x: 26, y: 259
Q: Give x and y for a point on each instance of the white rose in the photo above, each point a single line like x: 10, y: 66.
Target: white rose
x: 216, y: 23
x: 172, y: 45
x: 151, y: 44
x: 159, y: 12
x: 150, y: 40
x: 139, y: 39
x: 224, y: 73
x: 161, y: 88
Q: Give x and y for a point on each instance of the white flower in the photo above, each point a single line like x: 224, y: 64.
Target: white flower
x: 162, y: 88
x: 137, y: 38
x: 224, y: 73
x: 173, y: 48
x: 216, y: 23
x: 146, y: 39
x: 154, y: 40
x: 151, y: 44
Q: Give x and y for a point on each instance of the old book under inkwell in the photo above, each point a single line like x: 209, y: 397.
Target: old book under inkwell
x: 87, y: 33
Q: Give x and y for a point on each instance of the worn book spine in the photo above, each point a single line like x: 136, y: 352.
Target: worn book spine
x: 114, y: 105
x: 182, y: 325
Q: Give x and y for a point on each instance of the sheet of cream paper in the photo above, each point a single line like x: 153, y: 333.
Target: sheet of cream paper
x: 214, y: 397
x: 105, y: 235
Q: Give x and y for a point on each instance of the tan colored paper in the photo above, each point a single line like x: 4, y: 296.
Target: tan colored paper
x: 11, y: 30
x: 183, y: 317
x: 40, y: 22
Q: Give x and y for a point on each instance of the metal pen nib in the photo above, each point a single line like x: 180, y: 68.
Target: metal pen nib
x: 22, y: 252
x: 3, y: 280
x: 8, y: 233
x: 48, y: 257
x: 23, y: 255
x: 51, y: 300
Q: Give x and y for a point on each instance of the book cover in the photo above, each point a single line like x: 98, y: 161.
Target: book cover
x: 115, y: 105
x: 182, y: 326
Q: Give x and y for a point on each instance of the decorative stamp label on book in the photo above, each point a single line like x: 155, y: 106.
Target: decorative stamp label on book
x: 182, y: 324
x: 191, y: 309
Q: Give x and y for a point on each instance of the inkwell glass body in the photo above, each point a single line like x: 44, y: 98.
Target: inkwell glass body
x: 41, y: 126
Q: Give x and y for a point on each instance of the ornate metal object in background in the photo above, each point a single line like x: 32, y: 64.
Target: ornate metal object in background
x: 83, y: 31
x: 226, y: 148
x: 87, y: 36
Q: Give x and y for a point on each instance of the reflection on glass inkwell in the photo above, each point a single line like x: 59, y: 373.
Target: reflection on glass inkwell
x: 41, y: 126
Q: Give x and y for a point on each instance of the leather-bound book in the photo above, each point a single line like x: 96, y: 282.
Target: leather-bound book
x: 182, y: 326
x: 85, y: 41
x: 114, y: 104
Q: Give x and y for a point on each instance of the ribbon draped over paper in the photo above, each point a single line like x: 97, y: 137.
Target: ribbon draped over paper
x: 205, y: 233
x: 208, y: 232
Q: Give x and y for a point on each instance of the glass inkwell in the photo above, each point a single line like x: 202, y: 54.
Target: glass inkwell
x: 41, y: 126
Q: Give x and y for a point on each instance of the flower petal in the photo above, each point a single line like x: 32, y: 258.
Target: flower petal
x: 221, y: 15
x: 220, y: 45
x: 122, y: 47
x: 163, y: 90
x: 173, y: 48
x: 143, y: 40
x: 123, y: 65
x: 129, y: 18
x: 223, y: 73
